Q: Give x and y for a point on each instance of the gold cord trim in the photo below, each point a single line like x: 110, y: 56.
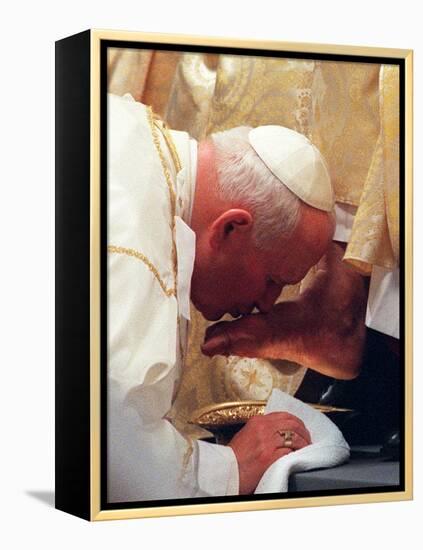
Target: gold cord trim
x: 172, y: 195
x: 139, y: 256
x: 157, y: 125
x: 156, y: 141
x: 170, y: 144
x: 187, y: 455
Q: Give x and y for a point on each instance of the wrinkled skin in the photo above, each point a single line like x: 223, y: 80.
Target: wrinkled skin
x: 259, y: 444
x: 323, y: 328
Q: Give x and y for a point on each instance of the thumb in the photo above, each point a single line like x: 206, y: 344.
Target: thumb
x: 217, y: 344
x: 217, y: 340
x: 238, y: 337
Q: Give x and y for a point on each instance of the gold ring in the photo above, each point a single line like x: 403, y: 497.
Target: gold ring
x: 287, y: 436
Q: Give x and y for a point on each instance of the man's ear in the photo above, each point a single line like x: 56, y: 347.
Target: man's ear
x: 232, y: 224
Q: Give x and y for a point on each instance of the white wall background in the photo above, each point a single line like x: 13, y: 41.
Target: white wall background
x: 28, y: 32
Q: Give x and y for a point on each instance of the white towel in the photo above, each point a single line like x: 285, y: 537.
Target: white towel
x: 328, y: 447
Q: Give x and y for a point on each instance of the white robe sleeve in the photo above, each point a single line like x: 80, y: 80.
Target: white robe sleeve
x: 382, y: 312
x: 147, y: 458
x: 217, y: 469
x: 383, y: 303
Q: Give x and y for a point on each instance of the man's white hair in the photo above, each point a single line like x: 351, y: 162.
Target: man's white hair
x: 244, y: 178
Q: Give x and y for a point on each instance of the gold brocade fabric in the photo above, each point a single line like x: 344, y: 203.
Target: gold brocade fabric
x: 255, y: 91
x: 191, y: 94
x: 349, y: 110
x: 345, y: 123
x: 391, y: 150
x: 127, y: 71
x: 375, y: 234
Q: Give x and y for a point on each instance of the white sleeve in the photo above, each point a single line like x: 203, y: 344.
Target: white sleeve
x: 217, y: 469
x: 147, y: 458
x: 383, y: 301
x: 344, y: 214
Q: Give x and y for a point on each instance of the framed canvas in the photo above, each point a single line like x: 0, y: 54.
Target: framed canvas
x: 270, y: 185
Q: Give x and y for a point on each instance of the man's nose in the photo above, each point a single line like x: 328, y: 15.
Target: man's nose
x: 269, y: 297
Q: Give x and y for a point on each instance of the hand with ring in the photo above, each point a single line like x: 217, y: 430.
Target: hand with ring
x: 287, y: 438
x: 262, y: 441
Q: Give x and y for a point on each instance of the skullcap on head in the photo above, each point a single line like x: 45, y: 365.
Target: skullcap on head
x: 296, y: 162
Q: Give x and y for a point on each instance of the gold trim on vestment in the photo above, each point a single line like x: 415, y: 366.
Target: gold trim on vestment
x: 169, y: 142
x: 172, y: 194
x: 140, y: 256
x: 155, y: 125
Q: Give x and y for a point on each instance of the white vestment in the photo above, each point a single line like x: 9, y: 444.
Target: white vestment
x: 147, y: 458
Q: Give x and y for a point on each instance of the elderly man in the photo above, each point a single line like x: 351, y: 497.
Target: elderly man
x: 323, y: 328
x: 214, y: 223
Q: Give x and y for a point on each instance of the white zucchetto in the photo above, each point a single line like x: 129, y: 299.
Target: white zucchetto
x: 296, y: 162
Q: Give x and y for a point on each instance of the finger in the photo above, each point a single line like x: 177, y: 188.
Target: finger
x: 287, y: 421
x: 215, y: 329
x: 293, y: 426
x: 225, y: 338
x: 279, y: 453
x: 217, y: 344
x: 298, y: 442
x: 245, y: 337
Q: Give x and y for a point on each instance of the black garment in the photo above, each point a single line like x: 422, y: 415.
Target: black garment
x: 375, y: 396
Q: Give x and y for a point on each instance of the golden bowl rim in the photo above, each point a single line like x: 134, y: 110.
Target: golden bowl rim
x: 196, y: 415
